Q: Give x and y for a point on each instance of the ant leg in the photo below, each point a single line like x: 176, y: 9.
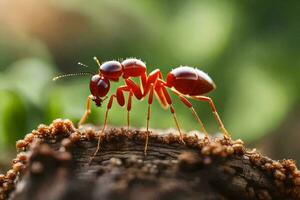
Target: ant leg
x: 129, y: 108
x: 169, y: 100
x: 104, y: 126
x: 190, y: 106
x: 214, y: 111
x: 150, y: 100
x: 177, y: 124
x: 161, y: 98
x: 151, y: 79
x: 143, y: 80
x: 87, y: 111
x: 121, y: 100
x: 135, y: 88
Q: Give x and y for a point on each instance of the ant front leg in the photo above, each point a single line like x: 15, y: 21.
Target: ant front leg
x: 109, y: 105
x: 214, y: 111
x: 121, y: 101
x: 87, y: 111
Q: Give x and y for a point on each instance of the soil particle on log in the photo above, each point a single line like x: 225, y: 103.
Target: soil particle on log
x: 53, y: 163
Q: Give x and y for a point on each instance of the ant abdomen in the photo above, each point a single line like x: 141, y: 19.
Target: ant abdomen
x: 190, y: 81
x: 133, y: 67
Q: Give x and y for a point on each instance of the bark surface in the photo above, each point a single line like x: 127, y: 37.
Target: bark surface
x: 53, y: 163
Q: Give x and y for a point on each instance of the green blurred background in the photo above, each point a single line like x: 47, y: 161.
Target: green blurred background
x: 249, y: 48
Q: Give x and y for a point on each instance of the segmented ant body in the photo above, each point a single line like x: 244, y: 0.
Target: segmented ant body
x: 185, y: 82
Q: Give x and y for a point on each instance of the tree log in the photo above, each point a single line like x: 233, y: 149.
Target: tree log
x: 53, y: 163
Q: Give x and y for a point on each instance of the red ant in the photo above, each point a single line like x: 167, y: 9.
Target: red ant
x: 184, y: 81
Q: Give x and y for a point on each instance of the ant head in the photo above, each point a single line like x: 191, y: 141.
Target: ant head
x: 99, y: 87
x: 111, y: 70
x: 99, y: 83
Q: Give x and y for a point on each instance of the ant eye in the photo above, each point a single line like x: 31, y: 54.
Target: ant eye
x: 99, y: 86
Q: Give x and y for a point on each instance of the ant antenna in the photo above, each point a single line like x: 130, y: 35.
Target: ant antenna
x: 86, y: 66
x: 68, y: 75
x: 83, y: 65
x: 97, y: 61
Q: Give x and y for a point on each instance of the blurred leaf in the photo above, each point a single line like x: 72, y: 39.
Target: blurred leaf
x: 15, y: 46
x: 30, y: 78
x: 67, y: 99
x: 24, y: 88
x: 258, y: 103
x: 201, y: 30
x: 13, y: 117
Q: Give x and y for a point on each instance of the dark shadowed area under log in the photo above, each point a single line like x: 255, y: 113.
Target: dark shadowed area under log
x: 53, y: 163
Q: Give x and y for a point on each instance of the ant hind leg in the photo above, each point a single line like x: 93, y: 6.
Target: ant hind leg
x: 190, y: 106
x: 214, y: 111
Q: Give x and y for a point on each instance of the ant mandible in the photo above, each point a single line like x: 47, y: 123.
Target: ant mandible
x: 185, y: 82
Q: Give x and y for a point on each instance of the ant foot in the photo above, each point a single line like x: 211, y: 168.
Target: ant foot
x: 94, y: 155
x: 91, y: 160
x: 206, y: 139
x: 145, y: 152
x: 146, y: 143
x: 182, y: 140
x: 226, y: 134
